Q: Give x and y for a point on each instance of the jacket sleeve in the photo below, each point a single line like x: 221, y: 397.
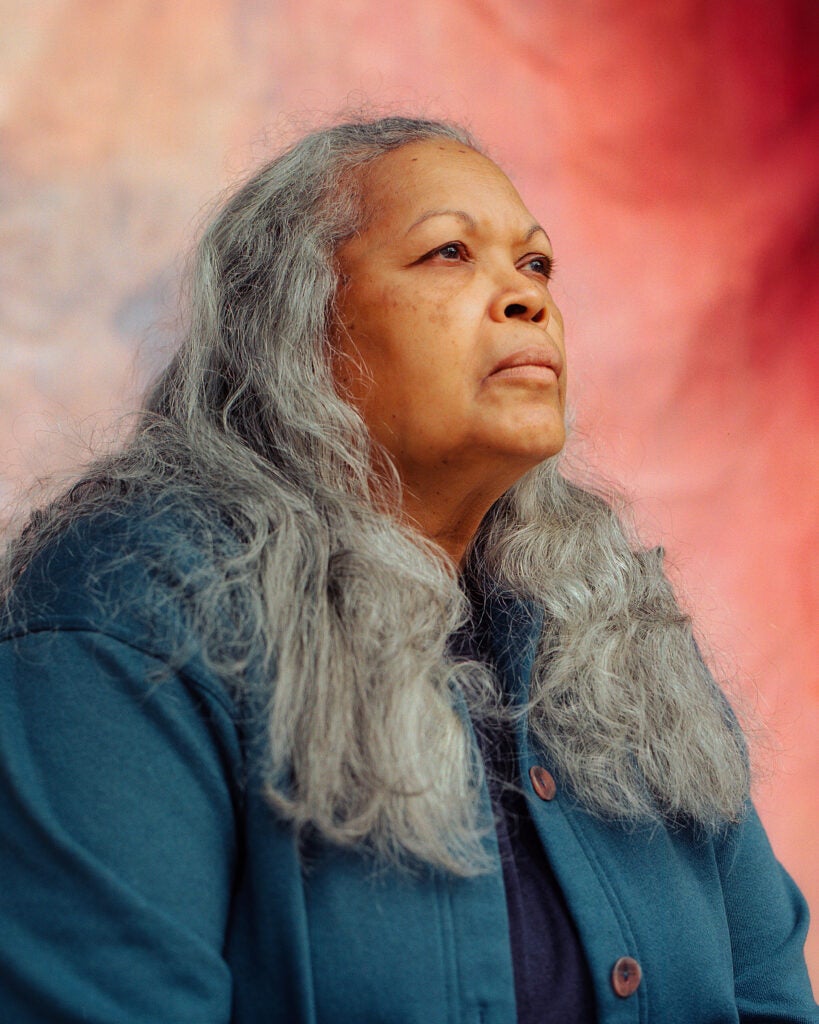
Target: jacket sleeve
x: 768, y: 921
x: 117, y: 835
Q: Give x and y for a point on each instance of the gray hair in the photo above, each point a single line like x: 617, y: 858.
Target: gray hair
x: 334, y: 616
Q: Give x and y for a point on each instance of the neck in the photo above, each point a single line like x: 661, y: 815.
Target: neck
x: 449, y: 509
x: 452, y: 529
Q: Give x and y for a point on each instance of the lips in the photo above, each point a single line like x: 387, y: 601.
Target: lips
x: 533, y: 359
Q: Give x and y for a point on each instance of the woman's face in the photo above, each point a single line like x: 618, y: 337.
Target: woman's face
x: 448, y: 340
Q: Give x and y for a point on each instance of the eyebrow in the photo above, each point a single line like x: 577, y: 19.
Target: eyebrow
x: 471, y: 223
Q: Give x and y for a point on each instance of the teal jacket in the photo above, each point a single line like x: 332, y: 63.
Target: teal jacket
x: 144, y: 880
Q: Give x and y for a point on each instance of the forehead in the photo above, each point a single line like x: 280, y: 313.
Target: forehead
x: 433, y: 174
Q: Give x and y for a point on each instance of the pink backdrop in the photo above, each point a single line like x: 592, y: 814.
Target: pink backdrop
x: 669, y: 146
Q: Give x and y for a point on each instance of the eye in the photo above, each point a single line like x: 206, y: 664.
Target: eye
x: 452, y: 252
x: 539, y: 264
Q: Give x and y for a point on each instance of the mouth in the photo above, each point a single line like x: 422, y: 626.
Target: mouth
x: 536, y: 363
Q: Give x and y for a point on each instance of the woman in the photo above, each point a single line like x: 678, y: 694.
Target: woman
x: 330, y: 699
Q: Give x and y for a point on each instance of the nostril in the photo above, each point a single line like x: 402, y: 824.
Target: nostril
x: 514, y: 309
x: 540, y: 316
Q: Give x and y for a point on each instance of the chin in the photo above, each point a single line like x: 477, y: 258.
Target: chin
x: 538, y: 444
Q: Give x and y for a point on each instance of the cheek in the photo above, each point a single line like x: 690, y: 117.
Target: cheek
x: 358, y: 338
x: 401, y: 337
x: 408, y: 350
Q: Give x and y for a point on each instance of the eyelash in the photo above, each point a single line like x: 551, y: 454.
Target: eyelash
x: 547, y: 261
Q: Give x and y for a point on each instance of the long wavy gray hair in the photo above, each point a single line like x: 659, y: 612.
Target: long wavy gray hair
x: 345, y: 612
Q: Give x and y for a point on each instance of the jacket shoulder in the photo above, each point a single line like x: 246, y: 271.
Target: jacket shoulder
x: 126, y: 571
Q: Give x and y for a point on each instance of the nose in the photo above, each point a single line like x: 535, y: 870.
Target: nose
x: 523, y: 300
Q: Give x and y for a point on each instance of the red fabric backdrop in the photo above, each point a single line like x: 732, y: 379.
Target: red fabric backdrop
x: 669, y: 147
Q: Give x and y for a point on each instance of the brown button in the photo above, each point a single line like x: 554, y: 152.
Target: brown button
x: 626, y: 976
x: 542, y: 782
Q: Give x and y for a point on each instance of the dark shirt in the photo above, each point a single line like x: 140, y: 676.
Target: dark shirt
x: 553, y: 984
